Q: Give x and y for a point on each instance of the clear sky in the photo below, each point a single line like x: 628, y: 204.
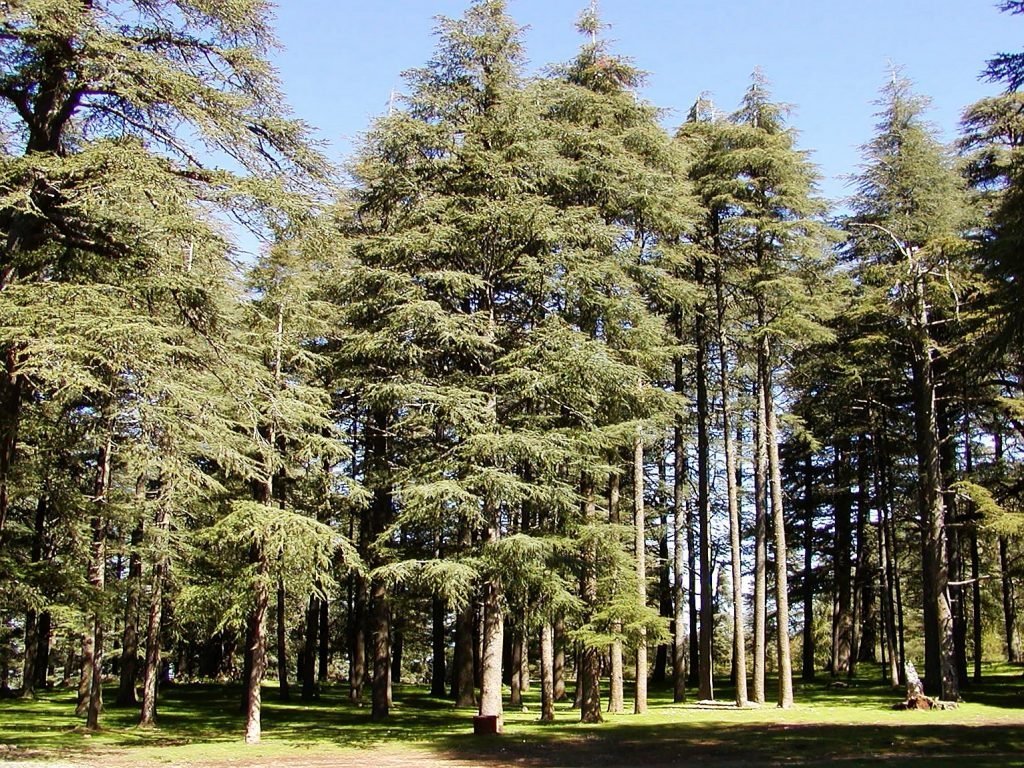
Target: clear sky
x: 828, y: 58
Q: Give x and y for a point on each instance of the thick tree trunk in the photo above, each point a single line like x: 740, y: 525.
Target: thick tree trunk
x: 357, y: 638
x: 151, y: 667
x: 492, y: 635
x: 640, y: 560
x: 257, y: 644
x: 380, y: 640
x: 463, y: 674
x: 547, y: 673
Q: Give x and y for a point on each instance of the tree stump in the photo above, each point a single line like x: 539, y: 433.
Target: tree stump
x: 915, y: 694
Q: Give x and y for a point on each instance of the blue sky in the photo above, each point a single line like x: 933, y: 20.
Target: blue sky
x: 342, y: 58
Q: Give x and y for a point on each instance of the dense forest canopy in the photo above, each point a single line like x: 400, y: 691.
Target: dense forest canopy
x: 540, y: 388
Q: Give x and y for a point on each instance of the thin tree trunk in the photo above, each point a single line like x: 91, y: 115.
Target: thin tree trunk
x: 810, y: 507
x: 1013, y: 644
x: 785, y: 669
x: 324, y: 647
x: 679, y: 671
x: 760, y: 544
x: 438, y: 647
x: 705, y: 671
x: 589, y: 669
x: 311, y: 646
x: 739, y: 640
x: 842, y: 621
x: 640, y: 559
x: 130, y: 638
x: 283, y: 691
x: 885, y: 568
x: 616, y: 695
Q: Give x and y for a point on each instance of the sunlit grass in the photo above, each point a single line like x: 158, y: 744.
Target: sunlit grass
x: 853, y: 724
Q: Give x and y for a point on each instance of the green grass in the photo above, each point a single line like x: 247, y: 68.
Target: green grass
x: 854, y: 725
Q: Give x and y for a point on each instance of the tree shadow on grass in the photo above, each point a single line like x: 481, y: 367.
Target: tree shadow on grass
x: 710, y: 744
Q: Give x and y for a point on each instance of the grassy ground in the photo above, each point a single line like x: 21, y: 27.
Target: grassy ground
x: 202, y: 725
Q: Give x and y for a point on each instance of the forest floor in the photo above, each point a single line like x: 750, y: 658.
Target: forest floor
x: 850, y: 724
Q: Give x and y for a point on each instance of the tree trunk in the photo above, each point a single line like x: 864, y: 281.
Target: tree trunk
x: 311, y: 648
x: 705, y: 671
x: 559, y: 664
x: 785, y: 669
x: 324, y: 647
x: 283, y: 691
x: 33, y: 635
x: 1013, y: 644
x: 357, y: 638
x: 616, y: 695
x: 256, y: 643
x: 130, y: 638
x: 438, y: 647
x: 589, y: 670
x: 810, y: 507
x: 640, y: 559
x: 739, y: 640
x: 492, y: 635
x: 760, y: 544
x: 97, y: 578
x: 151, y: 668
x: 515, y: 698
x: 940, y: 662
x: 679, y: 672
x: 842, y: 620
x: 463, y: 674
x: 547, y: 673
